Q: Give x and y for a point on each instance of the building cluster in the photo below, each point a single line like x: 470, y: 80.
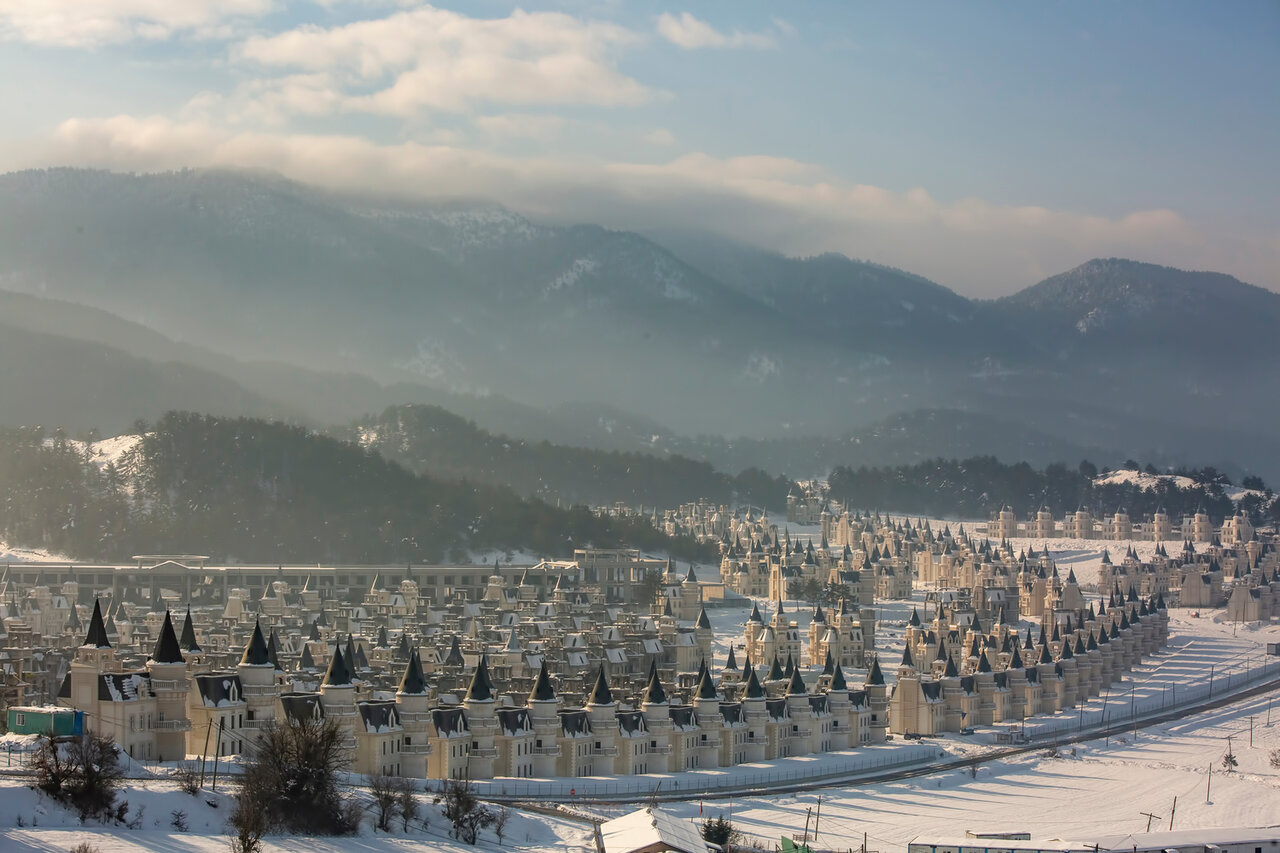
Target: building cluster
x: 961, y: 673
x: 1119, y: 526
x: 525, y: 679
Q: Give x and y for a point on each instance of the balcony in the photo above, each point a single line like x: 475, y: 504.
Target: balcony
x: 545, y: 750
x: 423, y: 748
x: 660, y: 749
x: 710, y: 743
x: 483, y: 752
x: 259, y: 691
x: 162, y: 687
x: 171, y: 725
x: 259, y: 724
x: 606, y: 751
x: 800, y: 733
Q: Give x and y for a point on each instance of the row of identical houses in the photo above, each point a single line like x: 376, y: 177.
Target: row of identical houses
x: 954, y: 675
x: 178, y: 704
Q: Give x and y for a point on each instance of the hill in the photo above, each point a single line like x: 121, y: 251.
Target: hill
x: 249, y: 490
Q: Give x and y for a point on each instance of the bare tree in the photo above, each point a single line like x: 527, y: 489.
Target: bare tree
x: 501, y: 815
x: 386, y: 798
x: 84, y: 773
x: 463, y: 810
x: 407, y: 802
x: 293, y: 779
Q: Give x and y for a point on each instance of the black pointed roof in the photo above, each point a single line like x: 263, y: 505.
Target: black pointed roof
x: 307, y: 661
x: 338, y: 674
x: 1044, y: 655
x: 828, y: 665
x: 753, y: 690
x: 984, y: 664
x: 188, y: 639
x: 907, y: 660
x: 454, y: 658
x: 481, y: 689
x: 314, y: 636
x: 542, y: 689
x: 1015, y: 659
x: 775, y: 670
x: 73, y: 620
x: 97, y: 636
x: 706, y: 687
x: 838, y: 681
x: 273, y: 649
x: 797, y: 686
x: 731, y: 663
x: 414, y: 683
x: 600, y: 693
x: 166, y: 650
x: 874, y: 675
x: 255, y: 652
x: 703, y: 621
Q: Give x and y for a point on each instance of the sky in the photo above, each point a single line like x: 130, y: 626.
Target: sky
x: 984, y: 145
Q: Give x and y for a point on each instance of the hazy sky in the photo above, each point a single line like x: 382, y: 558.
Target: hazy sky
x: 982, y: 145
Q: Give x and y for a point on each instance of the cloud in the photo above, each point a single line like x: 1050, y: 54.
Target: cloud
x: 976, y: 246
x: 660, y: 136
x: 89, y: 23
x: 434, y: 59
x: 691, y: 33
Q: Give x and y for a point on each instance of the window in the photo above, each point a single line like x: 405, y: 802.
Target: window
x: 20, y: 719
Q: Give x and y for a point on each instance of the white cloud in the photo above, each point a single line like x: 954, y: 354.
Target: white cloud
x: 691, y: 33
x: 88, y: 23
x: 434, y: 59
x: 660, y: 136
x: 974, y: 245
x: 521, y: 126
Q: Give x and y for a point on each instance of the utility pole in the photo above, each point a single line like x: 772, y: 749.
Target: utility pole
x: 1207, y: 782
x: 1251, y: 731
x: 1150, y: 817
x: 808, y: 814
x: 1171, y: 811
x: 817, y: 816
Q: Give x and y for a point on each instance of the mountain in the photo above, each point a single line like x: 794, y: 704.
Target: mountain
x: 1137, y: 309
x: 78, y: 385
x: 333, y: 306
x: 430, y: 440
x: 250, y: 490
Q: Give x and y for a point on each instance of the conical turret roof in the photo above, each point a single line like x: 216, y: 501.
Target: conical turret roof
x: 542, y: 689
x: 797, y: 686
x: 874, y: 675
x: 338, y: 675
x: 188, y: 639
x: 413, y: 683
x: 481, y: 689
x: 166, y: 650
x: 255, y: 652
x: 600, y: 693
x: 97, y: 636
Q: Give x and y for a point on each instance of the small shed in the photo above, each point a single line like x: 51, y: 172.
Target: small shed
x: 651, y: 831
x: 45, y: 720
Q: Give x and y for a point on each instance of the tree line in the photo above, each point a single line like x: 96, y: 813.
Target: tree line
x: 978, y: 486
x: 429, y: 439
x: 249, y: 490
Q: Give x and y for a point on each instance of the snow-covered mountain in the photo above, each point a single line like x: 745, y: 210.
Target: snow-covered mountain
x: 698, y: 335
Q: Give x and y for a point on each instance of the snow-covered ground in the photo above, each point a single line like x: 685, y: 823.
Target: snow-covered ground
x: 1091, y: 789
x: 29, y: 821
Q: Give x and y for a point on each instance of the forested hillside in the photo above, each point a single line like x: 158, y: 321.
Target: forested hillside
x: 245, y: 490
x: 973, y: 488
x: 430, y: 440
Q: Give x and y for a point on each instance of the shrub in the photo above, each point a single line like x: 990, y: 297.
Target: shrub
x: 83, y: 773
x: 464, y: 811
x: 293, y: 780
